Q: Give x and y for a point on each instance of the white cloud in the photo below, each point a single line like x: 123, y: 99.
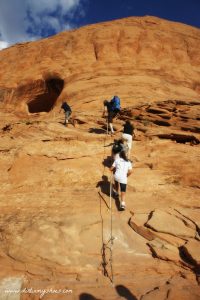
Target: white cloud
x: 43, y: 5
x: 3, y: 45
x: 53, y: 22
x: 68, y: 5
x: 25, y: 20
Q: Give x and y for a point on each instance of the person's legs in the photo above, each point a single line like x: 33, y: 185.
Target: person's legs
x: 67, y: 115
x: 123, y: 193
x: 65, y: 122
x: 128, y: 139
x: 123, y: 197
x: 113, y: 115
x: 111, y: 128
x: 110, y: 119
x: 129, y: 143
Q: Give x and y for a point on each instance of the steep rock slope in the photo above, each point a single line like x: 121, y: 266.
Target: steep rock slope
x: 55, y: 221
x: 140, y: 59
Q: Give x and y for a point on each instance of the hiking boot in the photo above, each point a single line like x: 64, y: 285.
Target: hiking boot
x: 123, y: 205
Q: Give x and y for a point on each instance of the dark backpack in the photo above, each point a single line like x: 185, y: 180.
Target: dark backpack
x: 66, y: 107
x: 116, y: 148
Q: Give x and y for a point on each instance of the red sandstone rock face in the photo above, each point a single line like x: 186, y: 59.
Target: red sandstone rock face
x: 54, y: 181
x: 55, y: 221
x: 140, y: 59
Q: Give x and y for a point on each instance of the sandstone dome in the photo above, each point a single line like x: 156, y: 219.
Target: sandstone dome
x: 139, y: 58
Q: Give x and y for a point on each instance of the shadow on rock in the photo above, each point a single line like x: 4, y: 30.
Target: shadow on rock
x: 97, y: 130
x: 86, y: 296
x: 117, y: 203
x: 107, y: 162
x: 124, y: 292
x: 104, y: 185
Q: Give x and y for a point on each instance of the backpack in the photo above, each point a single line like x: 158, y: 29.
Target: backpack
x: 116, y: 148
x: 66, y: 107
x: 115, y: 102
x: 119, y: 146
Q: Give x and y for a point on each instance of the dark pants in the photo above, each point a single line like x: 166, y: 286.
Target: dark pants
x: 112, y: 115
x: 67, y: 116
x: 122, y: 186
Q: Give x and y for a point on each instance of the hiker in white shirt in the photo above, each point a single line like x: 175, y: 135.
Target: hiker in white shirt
x: 122, y: 168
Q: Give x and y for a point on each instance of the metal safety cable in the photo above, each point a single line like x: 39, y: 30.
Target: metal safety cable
x: 111, y: 232
x: 111, y: 238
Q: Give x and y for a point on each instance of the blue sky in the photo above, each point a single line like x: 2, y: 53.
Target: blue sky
x: 26, y: 20
x: 185, y: 11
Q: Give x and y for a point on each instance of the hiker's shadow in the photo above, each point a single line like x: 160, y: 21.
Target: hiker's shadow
x: 62, y: 123
x: 86, y: 296
x: 117, y: 203
x: 121, y: 290
x: 104, y: 185
x: 124, y: 292
x: 71, y: 122
x: 97, y: 130
x: 107, y: 162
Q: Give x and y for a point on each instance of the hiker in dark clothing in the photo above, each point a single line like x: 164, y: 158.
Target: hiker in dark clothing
x: 128, y: 134
x: 113, y: 108
x: 67, y: 111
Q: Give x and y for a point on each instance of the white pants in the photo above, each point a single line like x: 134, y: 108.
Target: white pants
x: 128, y: 138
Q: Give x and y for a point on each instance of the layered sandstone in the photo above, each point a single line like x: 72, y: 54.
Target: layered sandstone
x: 140, y: 59
x: 55, y: 223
